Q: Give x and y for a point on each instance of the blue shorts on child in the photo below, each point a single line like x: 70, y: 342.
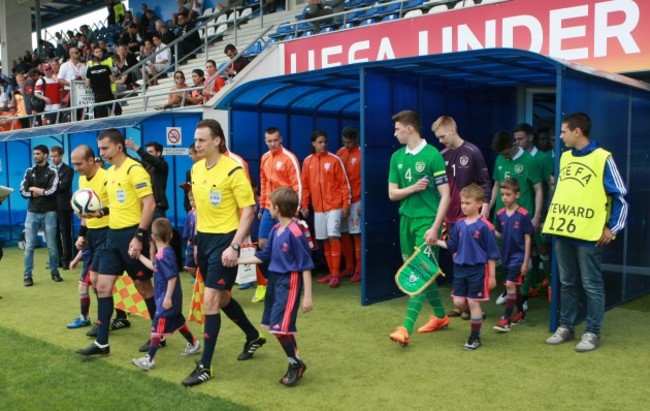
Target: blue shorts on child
x: 167, y: 325
x: 471, y: 282
x: 282, y: 302
x: 513, y: 275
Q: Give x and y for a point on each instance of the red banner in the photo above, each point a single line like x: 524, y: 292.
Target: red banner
x: 611, y: 35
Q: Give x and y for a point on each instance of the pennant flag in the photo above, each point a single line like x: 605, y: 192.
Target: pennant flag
x: 196, y: 305
x: 418, y: 272
x: 127, y: 298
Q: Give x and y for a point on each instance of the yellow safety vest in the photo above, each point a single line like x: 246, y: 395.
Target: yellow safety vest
x: 580, y: 206
x: 107, y: 62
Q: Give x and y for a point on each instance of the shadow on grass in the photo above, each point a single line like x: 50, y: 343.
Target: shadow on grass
x: 38, y: 375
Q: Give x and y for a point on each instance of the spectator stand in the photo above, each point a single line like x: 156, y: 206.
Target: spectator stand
x: 364, y: 12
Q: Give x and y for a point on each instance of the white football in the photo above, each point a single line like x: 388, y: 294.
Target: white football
x: 85, y: 200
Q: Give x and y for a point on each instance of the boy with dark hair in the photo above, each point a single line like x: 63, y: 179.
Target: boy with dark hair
x: 290, y: 265
x: 168, y: 295
x: 474, y: 246
x: 514, y: 228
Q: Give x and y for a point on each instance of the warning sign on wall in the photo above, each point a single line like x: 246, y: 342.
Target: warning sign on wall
x: 174, y: 136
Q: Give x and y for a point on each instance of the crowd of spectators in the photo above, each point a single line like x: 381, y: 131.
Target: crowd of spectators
x: 41, y: 79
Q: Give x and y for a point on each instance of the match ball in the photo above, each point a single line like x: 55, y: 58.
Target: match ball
x: 85, y: 201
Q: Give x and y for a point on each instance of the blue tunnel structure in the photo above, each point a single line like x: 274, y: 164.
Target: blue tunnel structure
x: 482, y: 90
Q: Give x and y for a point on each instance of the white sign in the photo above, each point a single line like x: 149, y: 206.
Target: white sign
x: 80, y: 94
x: 176, y: 151
x: 174, y: 136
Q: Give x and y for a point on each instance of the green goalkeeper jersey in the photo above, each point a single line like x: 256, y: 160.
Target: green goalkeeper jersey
x: 406, y: 168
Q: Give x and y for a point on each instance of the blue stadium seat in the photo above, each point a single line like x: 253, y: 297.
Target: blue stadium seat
x: 328, y: 29
x: 412, y: 4
x: 367, y: 22
x: 307, y: 33
x: 390, y: 17
x: 254, y: 49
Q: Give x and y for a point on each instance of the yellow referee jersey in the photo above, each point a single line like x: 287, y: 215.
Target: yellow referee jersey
x: 125, y: 187
x: 219, y: 193
x: 98, y: 185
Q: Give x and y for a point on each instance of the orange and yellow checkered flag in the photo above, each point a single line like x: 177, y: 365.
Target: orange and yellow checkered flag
x: 127, y: 298
x: 196, y: 305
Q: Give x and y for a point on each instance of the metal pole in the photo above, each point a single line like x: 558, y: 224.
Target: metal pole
x: 37, y: 9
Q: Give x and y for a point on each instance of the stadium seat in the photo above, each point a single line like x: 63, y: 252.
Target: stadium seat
x: 206, y: 13
x: 412, y: 4
x: 254, y: 49
x: 464, y: 3
x: 390, y: 17
x: 438, y: 9
x: 307, y: 33
x: 367, y: 22
x: 222, y: 18
x: 246, y: 14
x: 413, y: 13
x: 232, y: 16
x: 327, y: 29
x: 348, y: 25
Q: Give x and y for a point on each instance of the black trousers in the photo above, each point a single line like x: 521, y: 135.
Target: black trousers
x: 64, y: 236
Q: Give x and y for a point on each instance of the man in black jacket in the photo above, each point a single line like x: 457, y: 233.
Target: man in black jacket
x: 39, y: 186
x: 63, y: 207
x: 158, y: 169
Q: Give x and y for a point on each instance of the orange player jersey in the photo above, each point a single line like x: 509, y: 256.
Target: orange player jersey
x: 352, y: 163
x: 324, y: 183
x: 278, y: 169
x: 241, y: 162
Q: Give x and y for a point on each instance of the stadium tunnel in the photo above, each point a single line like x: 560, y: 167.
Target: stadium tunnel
x: 482, y: 90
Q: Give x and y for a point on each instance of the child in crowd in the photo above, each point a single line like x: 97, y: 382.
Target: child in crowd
x: 474, y: 246
x: 168, y: 295
x: 290, y: 265
x: 514, y: 228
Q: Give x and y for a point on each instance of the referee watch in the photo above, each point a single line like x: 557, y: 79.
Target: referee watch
x: 236, y: 247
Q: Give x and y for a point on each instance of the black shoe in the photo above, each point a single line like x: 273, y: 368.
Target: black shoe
x: 120, y: 323
x: 198, y: 376
x: 294, y: 373
x: 250, y: 347
x: 28, y: 282
x: 145, y: 347
x: 93, y: 331
x: 56, y: 278
x: 94, y: 349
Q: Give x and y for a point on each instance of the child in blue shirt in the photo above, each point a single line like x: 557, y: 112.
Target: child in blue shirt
x: 474, y: 246
x: 188, y: 235
x: 168, y: 296
x: 290, y: 265
x: 515, y: 228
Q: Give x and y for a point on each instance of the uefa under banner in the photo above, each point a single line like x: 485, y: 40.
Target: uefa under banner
x: 610, y: 35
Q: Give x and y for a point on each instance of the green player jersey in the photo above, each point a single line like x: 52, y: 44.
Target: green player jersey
x: 407, y: 168
x: 526, y: 170
x: 546, y: 164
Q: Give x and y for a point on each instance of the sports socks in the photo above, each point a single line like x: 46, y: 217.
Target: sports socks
x: 187, y: 334
x: 120, y: 314
x: 357, y: 252
x: 519, y: 301
x: 261, y: 280
x: 210, y: 333
x: 412, y: 311
x: 154, y: 344
x: 347, y: 249
x: 104, y: 312
x: 475, y: 324
x: 335, y: 247
x: 290, y: 347
x: 511, y: 300
x: 432, y: 294
x: 151, y: 306
x: 236, y: 314
x: 84, y: 301
x: 328, y: 254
